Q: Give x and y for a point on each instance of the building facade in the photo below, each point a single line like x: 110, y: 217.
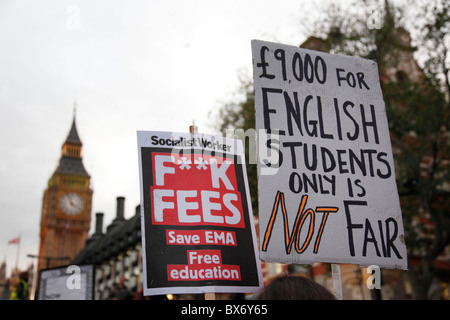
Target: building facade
x: 115, y: 254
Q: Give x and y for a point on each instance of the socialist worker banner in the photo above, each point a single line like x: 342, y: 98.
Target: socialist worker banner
x: 197, y: 224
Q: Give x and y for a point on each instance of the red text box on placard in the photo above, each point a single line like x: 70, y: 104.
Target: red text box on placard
x: 195, y: 189
x: 200, y: 237
x: 203, y: 265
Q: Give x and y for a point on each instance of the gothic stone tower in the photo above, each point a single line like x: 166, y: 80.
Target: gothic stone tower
x: 66, y: 207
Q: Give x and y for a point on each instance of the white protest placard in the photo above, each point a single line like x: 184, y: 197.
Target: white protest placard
x: 197, y: 223
x: 326, y: 180
x: 66, y: 283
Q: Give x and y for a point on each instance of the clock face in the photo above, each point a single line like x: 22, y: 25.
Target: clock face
x: 71, y: 203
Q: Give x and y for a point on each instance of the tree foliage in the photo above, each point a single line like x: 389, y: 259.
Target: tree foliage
x: 239, y: 114
x: 417, y: 104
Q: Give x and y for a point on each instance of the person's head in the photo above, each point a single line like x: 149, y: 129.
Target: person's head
x: 24, y: 275
x: 295, y: 288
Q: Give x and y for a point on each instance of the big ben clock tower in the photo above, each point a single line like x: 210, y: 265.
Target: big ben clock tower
x: 66, y: 207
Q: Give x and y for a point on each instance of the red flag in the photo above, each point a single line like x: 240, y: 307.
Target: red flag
x: 14, y: 241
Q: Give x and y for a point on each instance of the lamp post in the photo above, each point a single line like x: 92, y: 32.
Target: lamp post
x: 47, y: 259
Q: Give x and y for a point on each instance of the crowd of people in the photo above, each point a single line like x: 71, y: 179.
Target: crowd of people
x: 16, y: 288
x: 284, y: 287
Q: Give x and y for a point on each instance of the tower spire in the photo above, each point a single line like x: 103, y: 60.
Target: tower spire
x: 73, y: 133
x: 74, y: 108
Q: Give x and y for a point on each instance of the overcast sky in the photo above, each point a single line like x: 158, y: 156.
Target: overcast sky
x: 130, y: 65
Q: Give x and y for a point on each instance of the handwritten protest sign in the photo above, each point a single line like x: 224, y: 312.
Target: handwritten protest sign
x: 327, y: 190
x: 197, y: 222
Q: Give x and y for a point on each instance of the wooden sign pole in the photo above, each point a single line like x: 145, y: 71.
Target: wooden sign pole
x: 208, y: 295
x: 337, y: 281
x: 193, y: 128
